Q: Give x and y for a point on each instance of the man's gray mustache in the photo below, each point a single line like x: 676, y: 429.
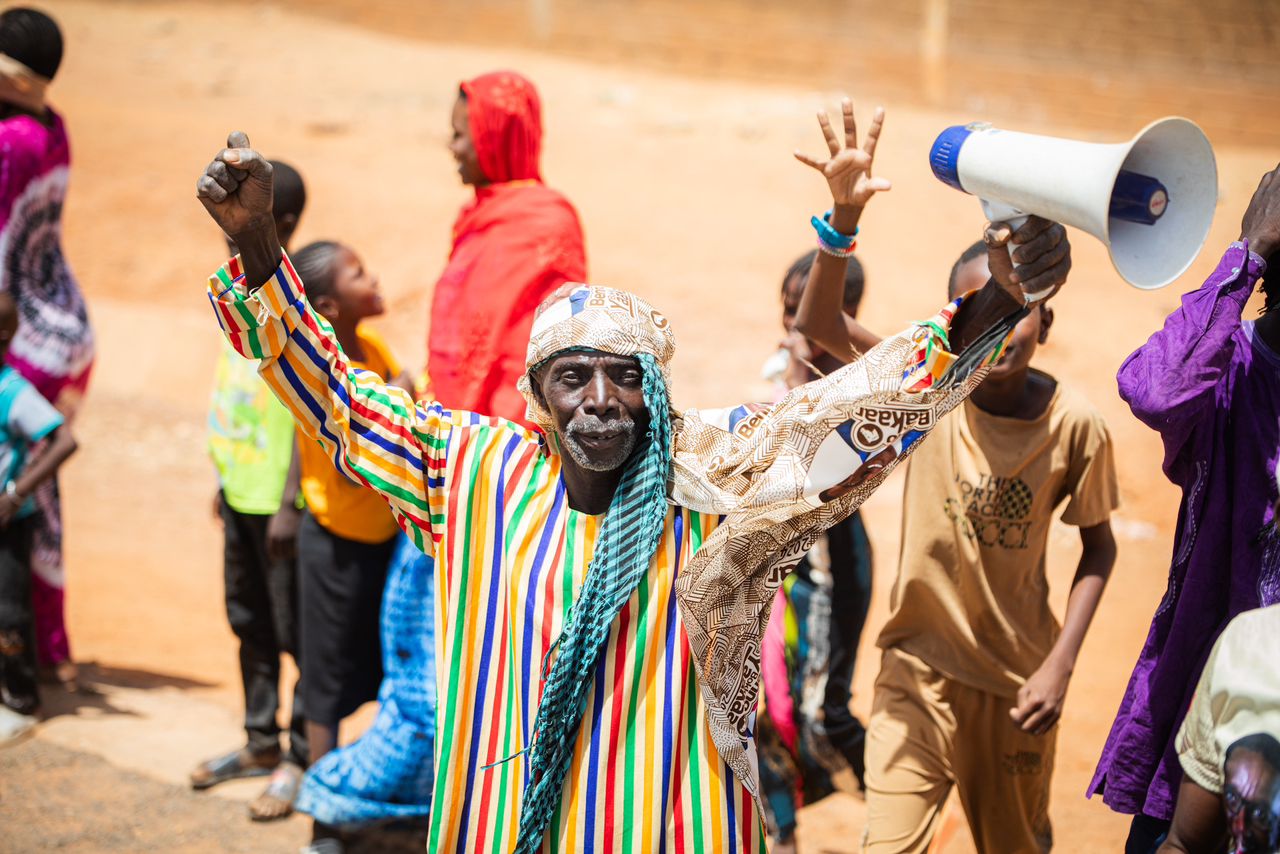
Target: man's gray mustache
x: 593, y: 424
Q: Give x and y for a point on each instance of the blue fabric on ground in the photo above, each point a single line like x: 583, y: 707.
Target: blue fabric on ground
x: 388, y: 772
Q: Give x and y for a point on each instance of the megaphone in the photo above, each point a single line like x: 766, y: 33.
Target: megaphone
x: 1150, y: 200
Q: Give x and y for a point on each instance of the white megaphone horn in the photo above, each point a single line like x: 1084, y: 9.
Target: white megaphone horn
x: 1150, y: 200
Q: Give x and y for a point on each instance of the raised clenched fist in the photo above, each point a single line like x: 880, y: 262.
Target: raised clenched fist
x: 236, y: 188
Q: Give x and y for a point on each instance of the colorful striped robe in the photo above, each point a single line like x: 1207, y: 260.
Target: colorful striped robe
x: 486, y: 496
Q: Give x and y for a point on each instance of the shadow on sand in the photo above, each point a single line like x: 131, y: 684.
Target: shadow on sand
x: 94, y: 688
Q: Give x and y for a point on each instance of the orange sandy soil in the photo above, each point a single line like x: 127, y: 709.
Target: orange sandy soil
x: 689, y: 195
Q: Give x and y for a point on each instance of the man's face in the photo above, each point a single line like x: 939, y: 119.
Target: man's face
x: 792, y: 291
x: 1251, y: 799
x: 597, y: 403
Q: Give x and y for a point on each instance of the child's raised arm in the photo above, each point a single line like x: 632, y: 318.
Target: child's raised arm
x: 820, y: 316
x: 371, y: 430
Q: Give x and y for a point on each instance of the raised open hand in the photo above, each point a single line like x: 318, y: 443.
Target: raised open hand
x: 236, y: 188
x: 848, y: 171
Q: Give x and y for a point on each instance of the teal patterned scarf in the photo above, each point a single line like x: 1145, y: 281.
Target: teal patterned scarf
x: 628, y: 538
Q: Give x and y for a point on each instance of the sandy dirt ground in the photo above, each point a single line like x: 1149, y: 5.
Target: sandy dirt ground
x: 655, y: 164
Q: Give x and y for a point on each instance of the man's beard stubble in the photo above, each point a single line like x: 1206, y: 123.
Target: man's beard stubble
x: 592, y: 424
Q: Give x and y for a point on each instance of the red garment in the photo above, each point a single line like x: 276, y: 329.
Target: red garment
x: 513, y: 245
x: 505, y: 117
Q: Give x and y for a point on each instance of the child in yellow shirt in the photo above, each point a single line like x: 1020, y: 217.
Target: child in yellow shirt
x: 347, y: 536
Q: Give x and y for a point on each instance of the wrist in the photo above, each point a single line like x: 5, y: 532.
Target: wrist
x: 260, y: 251
x: 831, y: 240
x: 845, y: 217
x: 1062, y: 661
x: 1005, y: 298
x: 256, y: 230
x: 1261, y: 245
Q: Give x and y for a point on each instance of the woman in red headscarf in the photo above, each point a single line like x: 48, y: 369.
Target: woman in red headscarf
x: 513, y: 245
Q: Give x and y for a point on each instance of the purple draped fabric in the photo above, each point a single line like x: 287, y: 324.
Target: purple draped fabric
x: 1211, y: 389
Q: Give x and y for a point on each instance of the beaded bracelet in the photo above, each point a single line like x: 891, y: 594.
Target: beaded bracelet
x: 837, y: 253
x: 829, y: 236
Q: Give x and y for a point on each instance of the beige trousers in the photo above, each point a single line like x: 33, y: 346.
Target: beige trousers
x: 929, y: 733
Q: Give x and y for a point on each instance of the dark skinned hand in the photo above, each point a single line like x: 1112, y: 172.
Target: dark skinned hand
x: 1261, y: 224
x: 1043, y: 256
x: 1040, y: 700
x: 236, y: 187
x: 848, y: 171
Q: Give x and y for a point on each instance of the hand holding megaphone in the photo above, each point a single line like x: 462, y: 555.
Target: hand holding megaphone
x: 1029, y: 258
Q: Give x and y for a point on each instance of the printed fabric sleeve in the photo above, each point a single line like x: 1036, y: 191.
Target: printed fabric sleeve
x: 1171, y: 381
x: 31, y: 416
x: 1196, y: 743
x: 1092, y: 487
x: 372, y: 432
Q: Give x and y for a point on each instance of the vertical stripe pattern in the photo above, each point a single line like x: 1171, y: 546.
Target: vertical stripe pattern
x: 510, y: 556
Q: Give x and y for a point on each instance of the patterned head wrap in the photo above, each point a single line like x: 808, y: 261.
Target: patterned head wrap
x: 612, y: 321
x: 591, y: 317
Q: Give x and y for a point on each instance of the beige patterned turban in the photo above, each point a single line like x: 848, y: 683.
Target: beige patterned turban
x: 591, y: 317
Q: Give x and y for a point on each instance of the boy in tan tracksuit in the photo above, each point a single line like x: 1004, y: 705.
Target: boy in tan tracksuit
x: 975, y: 665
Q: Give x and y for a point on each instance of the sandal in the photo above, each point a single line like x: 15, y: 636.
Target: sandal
x: 236, y: 765
x: 276, y: 801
